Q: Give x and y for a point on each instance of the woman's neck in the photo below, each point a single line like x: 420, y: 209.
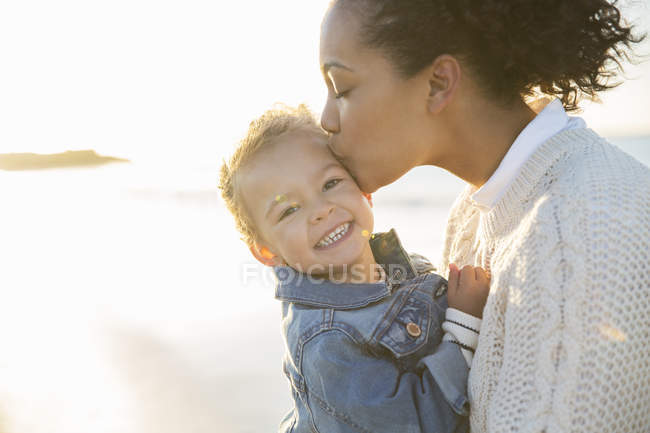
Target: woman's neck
x: 479, y: 134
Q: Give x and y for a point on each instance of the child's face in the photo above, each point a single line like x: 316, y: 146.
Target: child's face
x: 298, y: 197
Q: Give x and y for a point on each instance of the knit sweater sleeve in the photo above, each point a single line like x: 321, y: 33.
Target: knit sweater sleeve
x: 463, y: 330
x: 568, y: 315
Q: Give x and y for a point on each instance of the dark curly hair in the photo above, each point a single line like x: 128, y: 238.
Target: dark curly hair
x: 570, y: 49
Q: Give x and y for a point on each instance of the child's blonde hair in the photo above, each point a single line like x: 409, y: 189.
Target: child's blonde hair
x: 262, y: 132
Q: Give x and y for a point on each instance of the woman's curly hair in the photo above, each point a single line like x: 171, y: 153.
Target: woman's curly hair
x: 570, y: 49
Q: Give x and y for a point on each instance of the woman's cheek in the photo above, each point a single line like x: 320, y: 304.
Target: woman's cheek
x: 352, y: 125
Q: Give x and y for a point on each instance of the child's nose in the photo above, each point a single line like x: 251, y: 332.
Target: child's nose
x: 322, y: 211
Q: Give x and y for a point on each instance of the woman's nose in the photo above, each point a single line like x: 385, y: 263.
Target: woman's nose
x: 329, y: 118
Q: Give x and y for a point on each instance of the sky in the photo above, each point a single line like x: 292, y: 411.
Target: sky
x: 178, y: 81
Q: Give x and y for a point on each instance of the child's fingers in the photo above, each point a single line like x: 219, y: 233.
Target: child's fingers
x: 467, y: 277
x: 481, y: 275
x: 454, y: 274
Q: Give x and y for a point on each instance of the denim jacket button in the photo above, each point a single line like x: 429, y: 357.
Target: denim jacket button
x: 413, y: 329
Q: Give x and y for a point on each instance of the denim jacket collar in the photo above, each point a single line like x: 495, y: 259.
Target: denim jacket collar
x: 294, y: 286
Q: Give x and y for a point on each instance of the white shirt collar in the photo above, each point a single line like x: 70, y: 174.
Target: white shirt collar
x: 551, y: 120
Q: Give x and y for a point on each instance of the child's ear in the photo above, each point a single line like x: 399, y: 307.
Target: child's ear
x: 368, y: 197
x: 264, y: 255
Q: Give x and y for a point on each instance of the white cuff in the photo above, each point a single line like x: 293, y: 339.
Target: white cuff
x: 462, y: 329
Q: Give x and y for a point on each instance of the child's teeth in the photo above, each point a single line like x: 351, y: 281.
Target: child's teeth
x: 334, y: 236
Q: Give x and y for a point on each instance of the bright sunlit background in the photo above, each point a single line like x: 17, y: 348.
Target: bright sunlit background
x: 127, y: 301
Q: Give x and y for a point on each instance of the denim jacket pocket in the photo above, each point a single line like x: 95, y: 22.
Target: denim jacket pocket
x: 406, y: 328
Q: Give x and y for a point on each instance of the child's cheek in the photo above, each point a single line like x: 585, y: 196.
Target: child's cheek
x: 298, y: 244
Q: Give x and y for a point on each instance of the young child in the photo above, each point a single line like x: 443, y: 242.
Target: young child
x: 363, y: 322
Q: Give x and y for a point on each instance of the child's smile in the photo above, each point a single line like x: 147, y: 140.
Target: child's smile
x: 335, y: 237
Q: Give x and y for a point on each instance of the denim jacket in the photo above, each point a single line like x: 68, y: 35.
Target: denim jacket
x: 369, y: 357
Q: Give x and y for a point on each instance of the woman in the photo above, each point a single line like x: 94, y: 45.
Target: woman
x: 559, y: 216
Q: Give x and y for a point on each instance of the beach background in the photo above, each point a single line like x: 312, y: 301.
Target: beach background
x: 127, y: 301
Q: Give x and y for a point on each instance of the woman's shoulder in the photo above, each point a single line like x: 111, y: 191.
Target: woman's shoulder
x: 596, y: 180
x: 587, y: 161
x: 593, y: 201
x: 603, y: 155
x: 582, y: 174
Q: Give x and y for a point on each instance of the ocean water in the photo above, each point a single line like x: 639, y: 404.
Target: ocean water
x: 129, y: 303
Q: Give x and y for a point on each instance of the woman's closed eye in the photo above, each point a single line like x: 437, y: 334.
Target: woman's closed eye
x: 339, y: 91
x: 339, y: 95
x: 331, y: 184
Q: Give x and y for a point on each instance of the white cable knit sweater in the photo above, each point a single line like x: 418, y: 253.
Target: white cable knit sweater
x: 565, y: 338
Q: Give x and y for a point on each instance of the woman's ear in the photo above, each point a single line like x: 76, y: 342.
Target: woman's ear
x: 265, y: 256
x: 368, y: 197
x: 444, y: 78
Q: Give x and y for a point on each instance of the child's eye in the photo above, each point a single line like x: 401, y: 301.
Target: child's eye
x: 288, y: 211
x: 330, y: 184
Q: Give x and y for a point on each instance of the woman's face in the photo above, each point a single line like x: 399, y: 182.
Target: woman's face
x: 376, y: 118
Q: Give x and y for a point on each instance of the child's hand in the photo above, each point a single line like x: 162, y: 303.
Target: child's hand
x: 468, y: 289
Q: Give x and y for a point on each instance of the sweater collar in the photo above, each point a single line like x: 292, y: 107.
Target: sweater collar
x: 549, y: 121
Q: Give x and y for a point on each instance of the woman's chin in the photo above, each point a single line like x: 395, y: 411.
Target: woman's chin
x: 370, y: 184
x: 367, y: 185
